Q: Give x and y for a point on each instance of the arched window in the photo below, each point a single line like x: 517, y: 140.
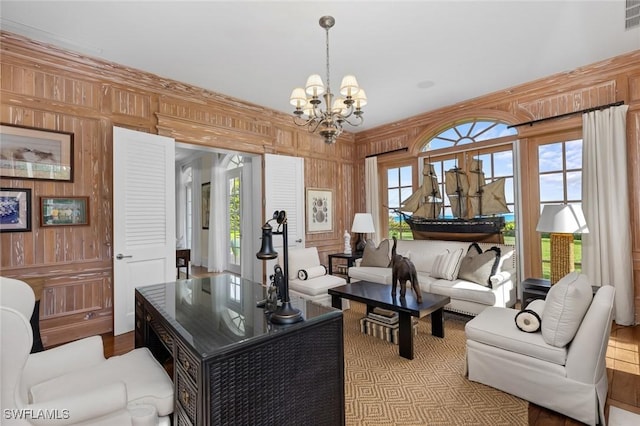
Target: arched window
x: 472, y: 131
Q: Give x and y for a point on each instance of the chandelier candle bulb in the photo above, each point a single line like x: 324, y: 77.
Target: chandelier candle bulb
x: 328, y: 122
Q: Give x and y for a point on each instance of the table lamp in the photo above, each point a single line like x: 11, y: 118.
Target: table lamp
x: 285, y: 313
x: 562, y: 221
x: 362, y: 224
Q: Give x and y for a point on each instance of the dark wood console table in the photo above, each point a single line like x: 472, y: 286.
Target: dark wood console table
x: 231, y: 365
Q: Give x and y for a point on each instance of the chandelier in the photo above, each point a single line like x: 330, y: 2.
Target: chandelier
x: 328, y: 122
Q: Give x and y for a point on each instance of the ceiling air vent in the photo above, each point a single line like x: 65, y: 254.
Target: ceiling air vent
x: 632, y: 16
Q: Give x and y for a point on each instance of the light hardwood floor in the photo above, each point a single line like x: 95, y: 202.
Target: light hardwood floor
x: 623, y: 369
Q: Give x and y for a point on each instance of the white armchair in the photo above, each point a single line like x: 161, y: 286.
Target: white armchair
x: 561, y: 367
x: 74, y: 384
x: 313, y: 283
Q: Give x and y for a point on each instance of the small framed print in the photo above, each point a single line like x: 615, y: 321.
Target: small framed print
x: 319, y: 210
x: 64, y: 211
x: 31, y: 153
x: 15, y: 210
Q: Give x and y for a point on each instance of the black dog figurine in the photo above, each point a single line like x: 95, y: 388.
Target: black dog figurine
x: 403, y: 270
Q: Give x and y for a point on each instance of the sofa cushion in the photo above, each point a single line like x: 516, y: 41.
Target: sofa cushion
x: 478, y: 267
x: 565, y: 305
x: 317, y: 285
x: 496, y: 327
x: 145, y: 379
x: 447, y: 264
x: 464, y: 290
x: 371, y: 273
x: 376, y: 256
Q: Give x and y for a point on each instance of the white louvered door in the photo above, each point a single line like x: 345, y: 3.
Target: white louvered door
x: 144, y: 242
x: 284, y: 190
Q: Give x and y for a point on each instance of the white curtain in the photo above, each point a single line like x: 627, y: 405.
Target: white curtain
x: 372, y: 194
x: 218, y: 233
x: 197, y: 258
x: 606, y: 249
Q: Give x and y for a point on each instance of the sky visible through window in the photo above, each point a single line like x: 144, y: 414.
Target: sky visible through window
x: 552, y: 180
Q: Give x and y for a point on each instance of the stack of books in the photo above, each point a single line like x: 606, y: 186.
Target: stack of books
x: 383, y: 324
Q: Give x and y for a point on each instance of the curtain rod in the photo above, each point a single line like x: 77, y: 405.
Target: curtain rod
x: 388, y: 152
x: 532, y: 122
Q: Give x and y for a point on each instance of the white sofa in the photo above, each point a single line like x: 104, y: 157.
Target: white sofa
x: 561, y: 366
x: 466, y: 297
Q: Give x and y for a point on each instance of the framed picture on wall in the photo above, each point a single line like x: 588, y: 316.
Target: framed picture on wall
x: 15, y: 209
x: 319, y: 210
x: 206, y: 204
x: 64, y: 211
x: 30, y: 153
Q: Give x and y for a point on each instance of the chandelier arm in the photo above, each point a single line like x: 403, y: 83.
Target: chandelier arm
x: 301, y: 122
x: 358, y: 123
x: 315, y: 124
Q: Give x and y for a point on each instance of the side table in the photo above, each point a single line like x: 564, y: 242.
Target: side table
x: 350, y: 258
x: 534, y: 288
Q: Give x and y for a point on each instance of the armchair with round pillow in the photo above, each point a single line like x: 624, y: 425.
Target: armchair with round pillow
x: 554, y: 355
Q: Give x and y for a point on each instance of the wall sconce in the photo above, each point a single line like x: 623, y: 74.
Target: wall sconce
x: 285, y: 313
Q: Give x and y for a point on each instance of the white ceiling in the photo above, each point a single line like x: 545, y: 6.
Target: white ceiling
x: 410, y: 56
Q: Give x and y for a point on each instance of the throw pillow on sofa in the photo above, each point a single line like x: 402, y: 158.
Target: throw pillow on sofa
x: 376, y: 256
x: 478, y: 267
x: 565, y: 305
x: 447, y: 264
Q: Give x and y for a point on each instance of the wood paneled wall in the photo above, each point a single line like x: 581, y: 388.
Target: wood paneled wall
x: 49, y: 88
x: 616, y: 79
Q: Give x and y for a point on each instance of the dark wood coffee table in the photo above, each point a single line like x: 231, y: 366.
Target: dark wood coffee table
x: 376, y: 295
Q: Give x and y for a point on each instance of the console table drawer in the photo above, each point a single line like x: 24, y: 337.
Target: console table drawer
x: 163, y: 333
x: 186, y: 395
x: 188, y: 363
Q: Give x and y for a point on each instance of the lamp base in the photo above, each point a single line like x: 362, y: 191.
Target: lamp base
x: 286, y: 314
x: 562, y: 259
x: 360, y: 244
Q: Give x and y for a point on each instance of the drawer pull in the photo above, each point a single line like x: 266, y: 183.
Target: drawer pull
x: 186, y: 364
x: 149, y: 317
x: 185, y: 397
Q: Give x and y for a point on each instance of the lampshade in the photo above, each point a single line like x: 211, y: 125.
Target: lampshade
x: 314, y: 86
x: 562, y: 219
x: 349, y: 86
x: 298, y: 98
x: 360, y: 98
x: 363, y: 223
x: 338, y: 106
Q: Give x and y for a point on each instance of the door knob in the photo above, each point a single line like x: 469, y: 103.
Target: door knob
x: 120, y: 256
x: 299, y: 240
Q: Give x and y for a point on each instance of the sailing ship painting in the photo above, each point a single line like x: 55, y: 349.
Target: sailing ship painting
x: 474, y: 202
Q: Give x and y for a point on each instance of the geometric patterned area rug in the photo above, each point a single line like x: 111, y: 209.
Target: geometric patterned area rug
x: 382, y: 388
